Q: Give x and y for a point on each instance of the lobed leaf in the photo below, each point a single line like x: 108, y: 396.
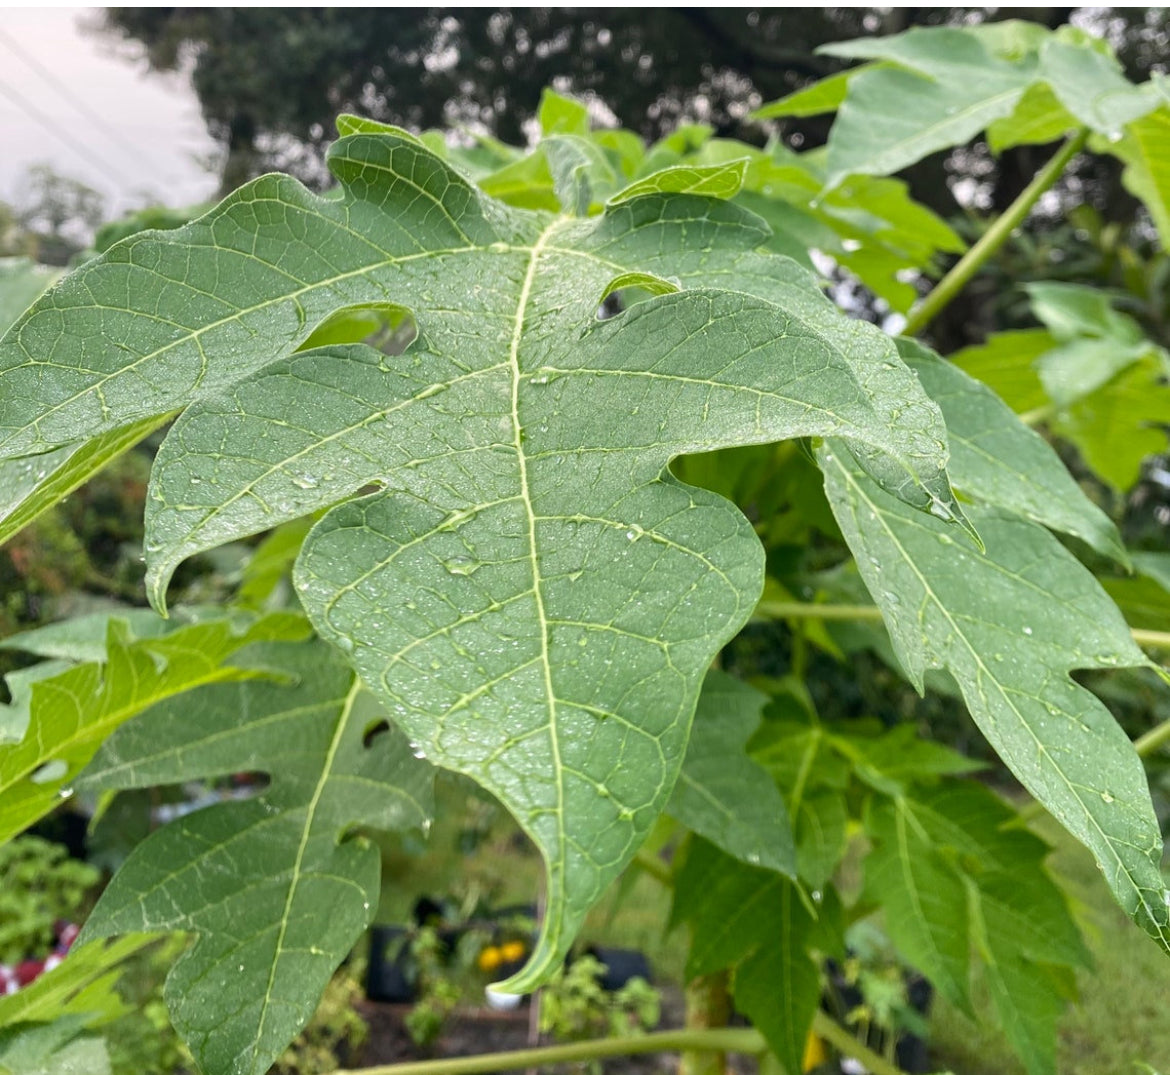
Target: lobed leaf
x: 527, y: 589
x: 275, y: 900
x: 1010, y: 624
x: 754, y: 921
x: 722, y: 794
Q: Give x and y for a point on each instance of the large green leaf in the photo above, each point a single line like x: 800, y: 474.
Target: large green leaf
x: 721, y: 793
x: 72, y: 712
x: 529, y: 591
x: 276, y: 901
x: 949, y: 86
x: 1010, y: 624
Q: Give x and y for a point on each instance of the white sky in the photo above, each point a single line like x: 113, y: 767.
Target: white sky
x: 150, y: 135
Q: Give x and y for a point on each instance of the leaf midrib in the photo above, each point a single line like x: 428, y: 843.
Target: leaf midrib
x: 1042, y: 750
x: 298, y: 862
x: 537, y: 582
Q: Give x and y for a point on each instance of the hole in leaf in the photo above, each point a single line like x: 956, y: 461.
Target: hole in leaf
x: 383, y: 326
x: 379, y: 727
x: 630, y: 288
x: 50, y: 772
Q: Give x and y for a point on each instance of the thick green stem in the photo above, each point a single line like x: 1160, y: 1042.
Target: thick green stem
x: 708, y: 1008
x: 1153, y: 739
x: 723, y: 1039
x: 800, y: 610
x: 992, y: 239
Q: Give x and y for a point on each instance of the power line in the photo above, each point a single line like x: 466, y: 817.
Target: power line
x: 53, y: 80
x: 81, y: 149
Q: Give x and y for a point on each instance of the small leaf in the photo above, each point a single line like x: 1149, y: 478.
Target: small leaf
x: 72, y: 712
x: 562, y: 115
x: 754, y: 921
x: 275, y: 900
x: 1004, y: 362
x: 1037, y: 119
x: 83, y: 983
x: 60, y: 1047
x: 1144, y: 148
x: 714, y: 181
x: 1010, y: 624
x: 825, y: 95
x: 721, y: 793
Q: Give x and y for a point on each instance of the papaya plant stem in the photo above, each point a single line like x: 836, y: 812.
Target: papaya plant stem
x: 1153, y: 739
x: 992, y: 239
x: 800, y: 610
x: 844, y: 1042
x: 719, y: 1039
x: 722, y: 1039
x: 655, y: 867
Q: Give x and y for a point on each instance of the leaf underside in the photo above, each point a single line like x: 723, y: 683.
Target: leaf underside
x: 526, y: 588
x: 275, y: 899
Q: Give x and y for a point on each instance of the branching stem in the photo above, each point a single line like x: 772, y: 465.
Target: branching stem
x: 992, y: 239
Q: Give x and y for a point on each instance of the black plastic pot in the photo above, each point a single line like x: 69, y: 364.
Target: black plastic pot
x: 386, y: 977
x: 621, y: 964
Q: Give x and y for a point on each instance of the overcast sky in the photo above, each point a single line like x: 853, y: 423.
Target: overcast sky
x: 100, y: 118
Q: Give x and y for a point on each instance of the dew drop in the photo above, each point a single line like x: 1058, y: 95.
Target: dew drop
x: 461, y: 565
x: 196, y: 481
x: 1106, y: 797
x: 432, y: 390
x: 304, y: 481
x: 345, y: 644
x: 65, y: 793
x: 1027, y: 630
x: 540, y: 378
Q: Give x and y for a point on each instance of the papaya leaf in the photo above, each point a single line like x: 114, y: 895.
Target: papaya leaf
x: 30, y: 485
x: 948, y: 87
x: 1091, y: 85
x: 1004, y: 362
x: 713, y: 180
x: 1010, y: 625
x: 275, y: 900
x: 1037, y: 119
x: 70, y: 713
x: 951, y: 847
x: 61, y: 1047
x: 82, y: 983
x: 999, y: 461
x: 754, y: 921
x: 527, y: 589
x: 1144, y: 148
x: 722, y: 794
